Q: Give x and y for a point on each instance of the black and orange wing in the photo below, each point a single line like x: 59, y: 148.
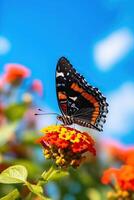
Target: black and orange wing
x: 77, y: 98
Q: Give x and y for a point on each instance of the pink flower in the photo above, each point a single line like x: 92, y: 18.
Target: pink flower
x: 37, y: 86
x: 1, y: 83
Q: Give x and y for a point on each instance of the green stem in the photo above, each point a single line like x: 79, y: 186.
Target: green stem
x: 45, y: 176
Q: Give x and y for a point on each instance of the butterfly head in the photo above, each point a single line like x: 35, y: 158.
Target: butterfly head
x: 60, y: 118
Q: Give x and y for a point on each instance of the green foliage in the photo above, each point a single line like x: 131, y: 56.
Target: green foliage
x: 14, y: 174
x: 12, y: 195
x: 53, y: 174
x: 38, y: 190
x: 29, y: 138
x: 32, y: 167
x: 15, y: 112
x: 6, y: 132
x: 18, y: 174
x: 94, y: 194
x: 34, y: 188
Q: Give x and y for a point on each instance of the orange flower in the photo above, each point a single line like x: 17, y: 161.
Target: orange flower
x: 15, y: 73
x: 129, y: 156
x: 109, y: 175
x: 37, y: 87
x: 66, y: 145
x: 123, y: 176
x: 126, y: 177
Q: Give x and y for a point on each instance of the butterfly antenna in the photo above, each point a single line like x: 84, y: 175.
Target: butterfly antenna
x: 45, y: 113
x: 39, y: 109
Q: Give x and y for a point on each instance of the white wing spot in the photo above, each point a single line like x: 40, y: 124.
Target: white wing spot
x: 73, y: 98
x: 59, y: 74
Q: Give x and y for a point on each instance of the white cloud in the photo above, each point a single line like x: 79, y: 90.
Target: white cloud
x: 113, y: 48
x: 121, y: 110
x: 5, y: 45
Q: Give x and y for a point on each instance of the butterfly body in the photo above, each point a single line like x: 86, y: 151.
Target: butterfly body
x: 79, y: 102
x: 69, y: 120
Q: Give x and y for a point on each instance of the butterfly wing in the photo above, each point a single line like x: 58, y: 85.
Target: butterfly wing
x: 77, y: 98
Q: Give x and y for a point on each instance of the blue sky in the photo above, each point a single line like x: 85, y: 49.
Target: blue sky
x: 96, y: 36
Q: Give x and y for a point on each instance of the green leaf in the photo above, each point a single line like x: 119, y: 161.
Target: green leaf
x: 36, y: 189
x: 15, y: 111
x: 14, y: 174
x: 34, y: 170
x: 12, y: 195
x: 6, y: 132
x: 54, y: 174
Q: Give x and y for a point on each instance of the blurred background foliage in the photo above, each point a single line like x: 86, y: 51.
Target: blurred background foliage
x: 97, y: 37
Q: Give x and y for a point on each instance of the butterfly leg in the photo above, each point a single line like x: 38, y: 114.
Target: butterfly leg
x: 56, y: 122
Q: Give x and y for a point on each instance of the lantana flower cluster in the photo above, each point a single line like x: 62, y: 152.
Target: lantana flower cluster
x: 122, y: 178
x: 65, y: 145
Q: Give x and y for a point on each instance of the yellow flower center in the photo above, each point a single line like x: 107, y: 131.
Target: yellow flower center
x: 64, y: 133
x: 51, y: 128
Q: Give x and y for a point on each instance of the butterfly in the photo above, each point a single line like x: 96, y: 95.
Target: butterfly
x: 79, y: 102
